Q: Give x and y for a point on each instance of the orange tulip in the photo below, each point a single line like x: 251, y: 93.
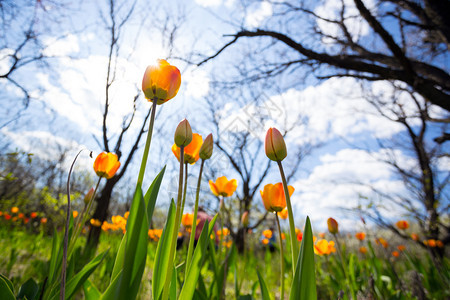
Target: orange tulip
x: 414, y: 237
x: 363, y: 250
x: 244, y: 219
x: 430, y: 243
x: 440, y: 244
x: 161, y: 82
x: 402, y: 225
x: 284, y: 213
x: 187, y: 219
x: 44, y: 220
x: 75, y: 214
x: 96, y: 223
x: 322, y: 235
x: 274, y: 145
x: 273, y: 197
x: 267, y: 233
x: 360, y: 236
x: 33, y: 215
x: 14, y: 210
x: 7, y: 216
x: 299, y: 234
x: 191, y: 151
x: 223, y: 186
x: 1, y: 213
x: 265, y: 241
x: 226, y: 232
x: 382, y: 242
x: 323, y: 247
x: 333, y: 226
x: 283, y: 236
x: 106, y: 165
x: 401, y: 247
x: 21, y: 216
x: 126, y: 214
x: 395, y: 253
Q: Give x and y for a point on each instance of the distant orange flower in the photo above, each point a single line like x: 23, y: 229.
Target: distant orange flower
x: 14, y: 219
x: 7, y: 216
x: 191, y: 151
x: 126, y: 214
x: 360, y: 236
x: 75, y: 213
x: 21, y: 216
x: 402, y: 225
x: 26, y: 220
x: 106, y: 165
x: 187, y: 219
x: 273, y: 197
x: 283, y: 214
x: 96, y: 223
x: 226, y: 232
x: 223, y: 186
x: 322, y: 235
x: 395, y: 254
x: 324, y: 247
x: 228, y: 244
x: 267, y: 233
x: 430, y: 243
x: 401, y: 247
x: 265, y: 241
x: 161, y: 82
x: 363, y: 250
x: 14, y: 210
x: 333, y: 226
x: 382, y: 242
x: 44, y: 220
x: 414, y: 237
x: 283, y: 236
x: 299, y: 234
x: 33, y: 215
x: 1, y: 213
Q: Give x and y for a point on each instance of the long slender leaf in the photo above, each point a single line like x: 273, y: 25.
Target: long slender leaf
x: 304, y: 282
x: 9, y: 283
x: 90, y: 291
x: 5, y: 289
x: 28, y: 290
x: 120, y: 257
x: 264, y: 291
x: 162, y: 255
x: 152, y: 194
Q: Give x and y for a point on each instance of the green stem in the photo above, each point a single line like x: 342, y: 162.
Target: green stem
x: 185, y: 187
x: 294, y: 245
x: 281, y: 256
x: 194, y: 222
x: 344, y: 267
x: 173, y: 244
x: 147, y: 143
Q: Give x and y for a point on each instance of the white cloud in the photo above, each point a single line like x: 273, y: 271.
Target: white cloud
x: 209, y: 3
x: 258, y: 12
x: 62, y: 47
x: 196, y: 83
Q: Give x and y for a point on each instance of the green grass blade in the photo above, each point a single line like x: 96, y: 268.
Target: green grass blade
x: 90, y: 291
x: 304, y: 282
x: 162, y: 255
x: 120, y: 257
x: 5, y: 290
x: 262, y: 284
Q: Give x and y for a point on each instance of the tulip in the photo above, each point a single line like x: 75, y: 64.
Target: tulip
x: 275, y: 145
x: 267, y: 233
x: 382, y: 242
x: 333, y: 226
x: 401, y: 248
x: 44, y: 220
x: 323, y: 247
x: 223, y: 186
x: 96, y: 223
x: 186, y: 220
x: 33, y: 215
x: 161, y: 82
x: 273, y: 197
x: 360, y: 236
x: 183, y: 133
x: 283, y: 214
x: 414, y: 237
x: 191, y: 151
x: 363, y: 250
x: 402, y: 225
x: 7, y: 216
x: 14, y: 210
x: 265, y: 241
x: 395, y: 254
x: 75, y: 213
x: 206, y: 149
x: 106, y: 165
x: 89, y: 195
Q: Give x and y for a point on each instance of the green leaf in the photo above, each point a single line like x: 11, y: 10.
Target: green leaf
x: 152, y: 194
x: 120, y: 257
x: 162, y: 255
x: 173, y: 285
x: 304, y: 282
x: 28, y: 290
x: 90, y: 291
x: 198, y: 258
x: 56, y: 256
x: 264, y: 291
x: 6, y: 289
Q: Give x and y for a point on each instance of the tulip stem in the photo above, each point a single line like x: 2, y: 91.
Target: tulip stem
x: 185, y: 187
x: 176, y: 227
x: 281, y: 256
x: 344, y: 267
x: 294, y: 245
x: 147, y: 143
x: 194, y: 222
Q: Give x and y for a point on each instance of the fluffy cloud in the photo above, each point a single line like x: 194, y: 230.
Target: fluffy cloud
x: 258, y: 12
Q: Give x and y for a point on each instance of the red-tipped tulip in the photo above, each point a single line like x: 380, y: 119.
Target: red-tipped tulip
x: 332, y: 226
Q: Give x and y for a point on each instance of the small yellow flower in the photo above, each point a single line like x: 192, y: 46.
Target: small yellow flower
x: 96, y: 223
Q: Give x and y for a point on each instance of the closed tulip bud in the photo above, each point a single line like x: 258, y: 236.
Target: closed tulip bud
x: 183, y: 134
x: 244, y: 219
x: 89, y: 195
x: 161, y: 82
x: 332, y: 226
x: 274, y: 145
x: 207, y: 148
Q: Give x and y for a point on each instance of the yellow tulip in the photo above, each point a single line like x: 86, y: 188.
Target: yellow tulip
x: 106, y: 165
x: 161, y: 82
x: 273, y: 197
x: 223, y: 186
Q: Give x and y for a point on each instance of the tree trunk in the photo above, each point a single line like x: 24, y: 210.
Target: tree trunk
x: 239, y: 240
x: 101, y: 214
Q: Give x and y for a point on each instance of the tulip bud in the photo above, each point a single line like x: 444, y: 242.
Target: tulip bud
x: 207, y: 147
x: 244, y: 219
x: 332, y: 226
x: 88, y: 196
x: 275, y: 146
x: 183, y: 134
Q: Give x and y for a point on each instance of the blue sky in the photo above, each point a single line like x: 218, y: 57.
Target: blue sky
x: 347, y: 127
